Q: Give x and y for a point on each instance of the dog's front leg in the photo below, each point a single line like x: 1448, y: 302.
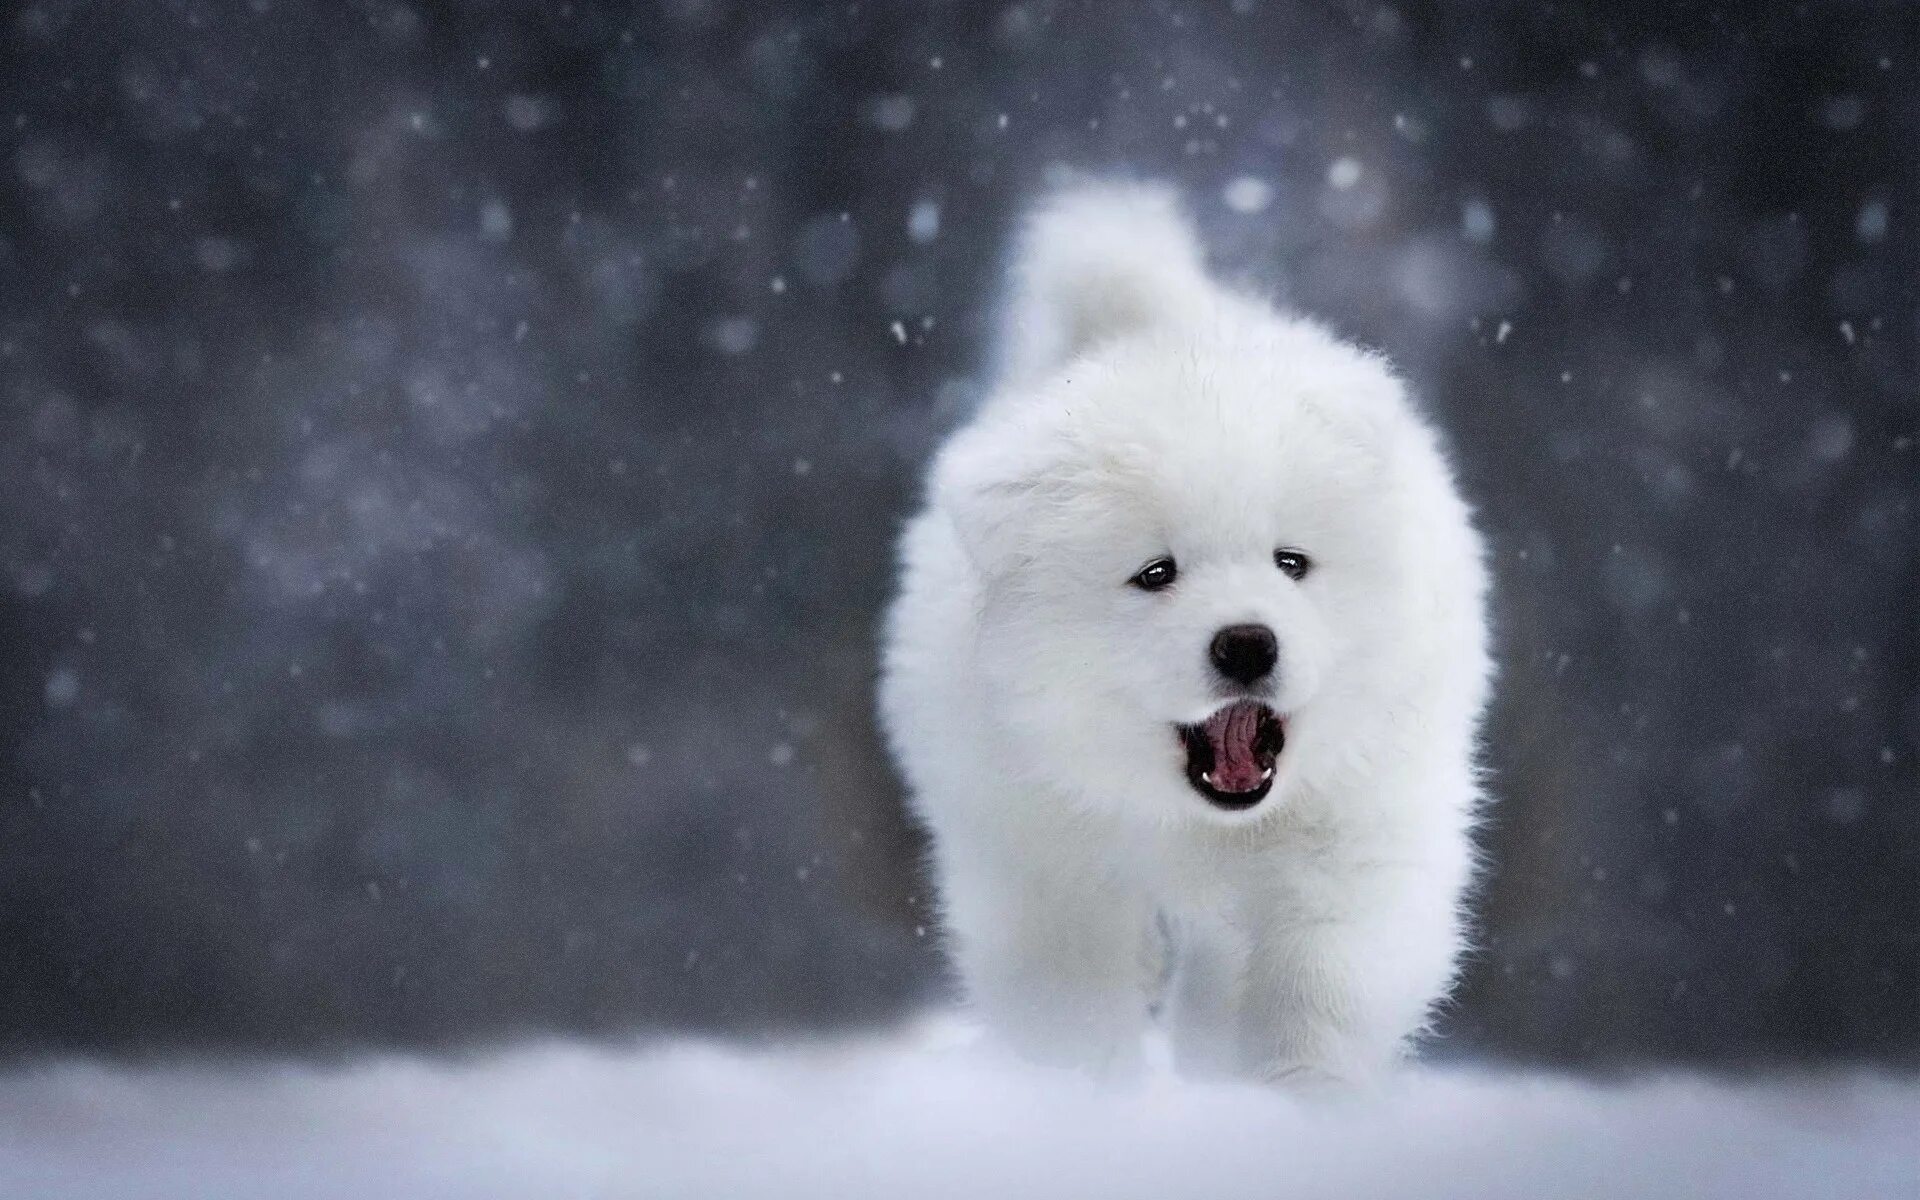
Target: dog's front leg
x: 1336, y: 997
x: 1306, y: 1022
x: 1059, y: 957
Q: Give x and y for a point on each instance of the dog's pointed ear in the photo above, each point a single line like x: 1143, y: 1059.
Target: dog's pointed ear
x: 989, y: 484
x: 1096, y: 262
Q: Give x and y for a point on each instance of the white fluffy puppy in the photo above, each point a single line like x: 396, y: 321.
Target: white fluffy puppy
x: 1185, y: 671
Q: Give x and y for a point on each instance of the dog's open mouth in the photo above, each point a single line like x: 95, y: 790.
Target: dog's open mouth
x: 1230, y: 755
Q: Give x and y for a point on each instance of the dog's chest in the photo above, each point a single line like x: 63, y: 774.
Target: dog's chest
x: 1213, y: 875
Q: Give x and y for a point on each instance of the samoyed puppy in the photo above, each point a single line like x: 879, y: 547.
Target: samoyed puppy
x: 1185, y: 671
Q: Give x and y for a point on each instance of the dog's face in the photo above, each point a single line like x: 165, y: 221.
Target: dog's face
x: 1192, y: 567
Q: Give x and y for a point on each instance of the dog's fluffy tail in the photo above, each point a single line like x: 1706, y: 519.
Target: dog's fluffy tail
x: 1097, y: 261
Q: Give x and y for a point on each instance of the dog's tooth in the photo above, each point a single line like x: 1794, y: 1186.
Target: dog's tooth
x: 1266, y: 775
x: 1206, y: 777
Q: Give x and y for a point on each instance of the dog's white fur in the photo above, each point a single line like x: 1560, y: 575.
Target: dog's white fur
x: 1031, y: 696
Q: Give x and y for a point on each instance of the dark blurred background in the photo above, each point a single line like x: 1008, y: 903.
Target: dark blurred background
x: 449, y: 457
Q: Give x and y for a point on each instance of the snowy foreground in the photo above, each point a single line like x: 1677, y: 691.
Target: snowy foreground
x: 923, y: 1116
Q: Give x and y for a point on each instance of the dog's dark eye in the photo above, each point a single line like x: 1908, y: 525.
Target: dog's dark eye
x: 1155, y: 575
x: 1294, y: 563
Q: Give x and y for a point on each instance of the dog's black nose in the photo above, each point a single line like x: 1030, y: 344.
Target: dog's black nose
x: 1244, y: 653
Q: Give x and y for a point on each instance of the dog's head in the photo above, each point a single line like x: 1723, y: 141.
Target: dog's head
x: 1199, y: 541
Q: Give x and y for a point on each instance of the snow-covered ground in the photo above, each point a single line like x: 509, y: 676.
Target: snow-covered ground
x: 923, y: 1116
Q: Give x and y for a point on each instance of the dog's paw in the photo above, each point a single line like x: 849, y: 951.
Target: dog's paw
x: 1310, y: 1079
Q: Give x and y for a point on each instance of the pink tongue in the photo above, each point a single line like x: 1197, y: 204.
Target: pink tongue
x: 1234, y: 730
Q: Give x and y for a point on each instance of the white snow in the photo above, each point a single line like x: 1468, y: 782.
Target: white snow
x: 892, y: 113
x: 1476, y: 221
x: 496, y: 220
x: 923, y: 221
x: 734, y: 334
x: 529, y: 114
x: 1247, y: 194
x: 923, y: 1116
x: 1871, y: 225
x: 63, y: 687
